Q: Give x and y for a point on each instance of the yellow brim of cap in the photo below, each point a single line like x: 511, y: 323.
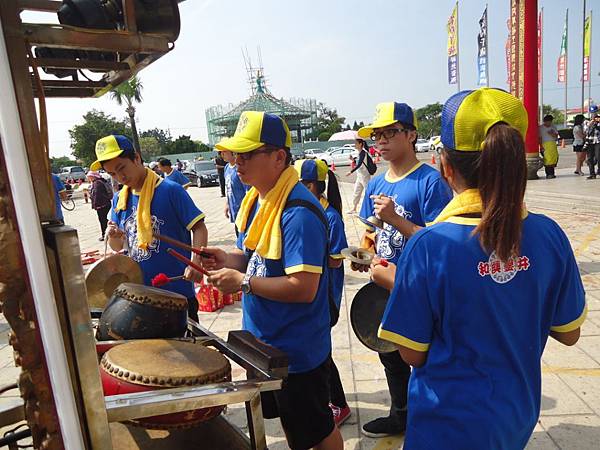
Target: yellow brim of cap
x: 365, y: 132
x: 238, y: 145
x: 97, y: 165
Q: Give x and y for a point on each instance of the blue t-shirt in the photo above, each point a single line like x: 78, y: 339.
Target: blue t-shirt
x: 485, y: 324
x: 301, y: 330
x: 419, y: 196
x: 235, y: 191
x: 58, y: 188
x: 173, y: 214
x: 177, y: 177
x: 337, y: 242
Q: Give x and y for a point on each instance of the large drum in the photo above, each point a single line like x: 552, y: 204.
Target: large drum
x: 366, y: 313
x: 136, y: 311
x: 153, y: 364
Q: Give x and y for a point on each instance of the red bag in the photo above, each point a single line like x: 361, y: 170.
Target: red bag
x: 211, y: 299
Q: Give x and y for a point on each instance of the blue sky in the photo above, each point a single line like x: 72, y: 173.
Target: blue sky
x: 348, y: 54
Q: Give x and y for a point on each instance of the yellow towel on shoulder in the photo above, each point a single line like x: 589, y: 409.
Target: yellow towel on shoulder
x: 324, y: 203
x: 467, y: 202
x: 264, y: 234
x: 144, y: 217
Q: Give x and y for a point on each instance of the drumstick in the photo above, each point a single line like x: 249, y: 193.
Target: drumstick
x: 161, y: 279
x: 189, y: 262
x: 184, y: 246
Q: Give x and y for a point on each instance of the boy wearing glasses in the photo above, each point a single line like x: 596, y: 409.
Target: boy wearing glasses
x: 280, y: 267
x: 406, y: 197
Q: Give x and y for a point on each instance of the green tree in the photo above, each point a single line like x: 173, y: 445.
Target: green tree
x: 202, y: 147
x: 183, y: 144
x: 162, y: 136
x: 355, y: 126
x: 128, y: 93
x: 559, y: 116
x: 60, y: 162
x: 328, y: 122
x: 150, y: 147
x: 96, y: 125
x: 429, y: 119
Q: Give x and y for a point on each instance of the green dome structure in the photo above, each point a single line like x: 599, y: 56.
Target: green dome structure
x: 300, y: 114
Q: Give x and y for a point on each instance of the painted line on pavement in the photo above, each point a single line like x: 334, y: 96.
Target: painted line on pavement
x: 571, y: 371
x: 587, y: 240
x: 389, y: 443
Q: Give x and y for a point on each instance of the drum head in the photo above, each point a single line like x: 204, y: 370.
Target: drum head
x: 166, y: 363
x: 366, y: 313
x: 103, y: 277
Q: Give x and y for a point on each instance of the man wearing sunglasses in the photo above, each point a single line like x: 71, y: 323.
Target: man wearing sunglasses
x: 406, y: 197
x: 280, y: 267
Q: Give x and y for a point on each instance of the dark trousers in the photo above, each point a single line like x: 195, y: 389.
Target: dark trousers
x: 549, y: 170
x: 593, y: 158
x: 222, y: 181
x: 103, y: 218
x: 397, y: 373
x: 336, y: 390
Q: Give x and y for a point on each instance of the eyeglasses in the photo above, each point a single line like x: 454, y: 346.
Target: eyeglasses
x: 249, y: 155
x: 387, y: 134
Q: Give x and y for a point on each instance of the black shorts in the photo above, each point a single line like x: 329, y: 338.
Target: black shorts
x: 303, y: 406
x: 578, y: 148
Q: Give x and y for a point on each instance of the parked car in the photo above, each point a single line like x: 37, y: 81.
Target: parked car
x: 340, y: 156
x: 202, y: 173
x: 314, y: 153
x: 72, y: 172
x: 432, y: 141
x: 422, y: 146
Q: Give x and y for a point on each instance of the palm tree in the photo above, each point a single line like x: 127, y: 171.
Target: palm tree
x: 130, y: 92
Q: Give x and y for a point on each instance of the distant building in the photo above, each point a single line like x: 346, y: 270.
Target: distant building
x: 300, y: 114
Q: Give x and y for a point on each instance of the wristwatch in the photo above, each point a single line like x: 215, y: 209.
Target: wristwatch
x: 245, y: 287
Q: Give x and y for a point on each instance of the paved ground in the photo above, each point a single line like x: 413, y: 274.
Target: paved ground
x: 570, y: 417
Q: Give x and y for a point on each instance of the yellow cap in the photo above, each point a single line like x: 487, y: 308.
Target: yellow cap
x: 388, y: 114
x: 109, y: 147
x: 468, y: 115
x: 255, y: 129
x: 311, y: 169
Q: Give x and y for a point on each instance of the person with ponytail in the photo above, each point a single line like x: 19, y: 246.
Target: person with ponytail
x: 478, y: 292
x: 313, y: 174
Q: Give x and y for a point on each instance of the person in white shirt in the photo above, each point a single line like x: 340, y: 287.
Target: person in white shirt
x: 548, y: 134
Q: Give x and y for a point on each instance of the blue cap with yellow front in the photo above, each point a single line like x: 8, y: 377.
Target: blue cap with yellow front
x: 255, y: 129
x: 468, y: 115
x: 311, y: 169
x: 388, y: 114
x: 109, y: 147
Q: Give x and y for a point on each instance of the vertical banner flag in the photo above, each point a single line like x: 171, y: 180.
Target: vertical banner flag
x: 482, y: 46
x: 507, y: 51
x: 539, y: 44
x: 562, y: 59
x: 587, y: 35
x: 453, y: 46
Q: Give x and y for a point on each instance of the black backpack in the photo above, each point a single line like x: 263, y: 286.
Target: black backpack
x: 371, y: 166
x: 334, y: 312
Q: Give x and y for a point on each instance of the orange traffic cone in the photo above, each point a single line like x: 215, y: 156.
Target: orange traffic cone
x: 433, y: 159
x: 332, y: 166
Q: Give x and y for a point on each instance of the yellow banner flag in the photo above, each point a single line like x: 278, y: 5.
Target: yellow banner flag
x: 587, y: 36
x: 452, y: 28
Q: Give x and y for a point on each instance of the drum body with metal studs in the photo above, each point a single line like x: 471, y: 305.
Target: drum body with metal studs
x: 154, y: 364
x: 136, y: 311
